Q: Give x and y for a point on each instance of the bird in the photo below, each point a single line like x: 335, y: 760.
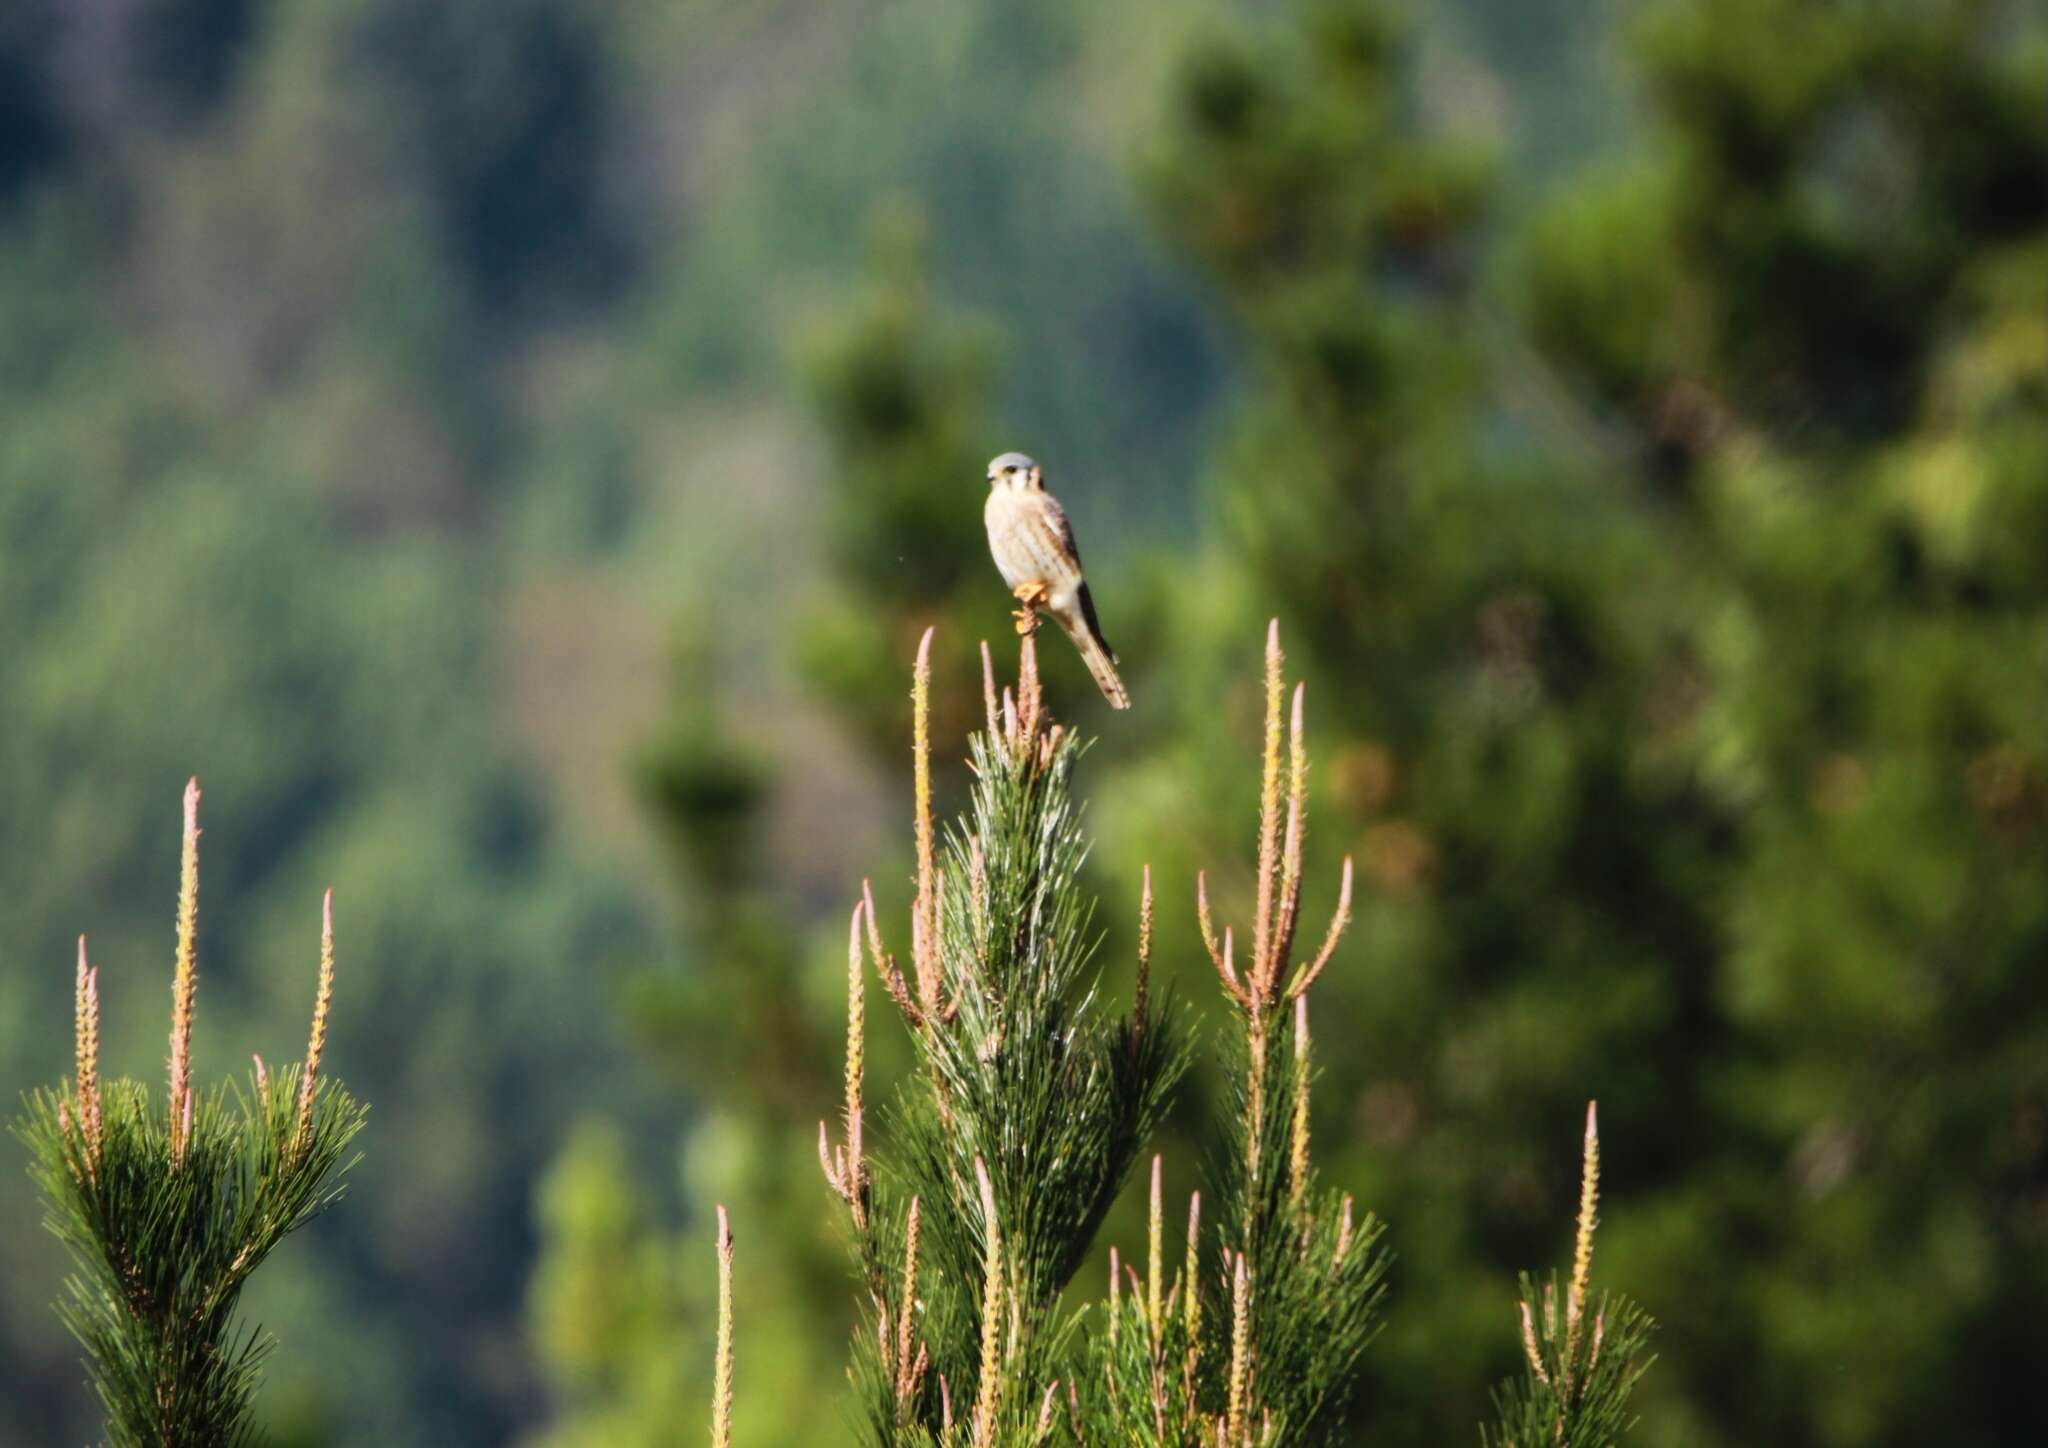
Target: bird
x: 1034, y: 548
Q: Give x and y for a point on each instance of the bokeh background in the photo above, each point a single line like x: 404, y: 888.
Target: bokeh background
x: 508, y: 449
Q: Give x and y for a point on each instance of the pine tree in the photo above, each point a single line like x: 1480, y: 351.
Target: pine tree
x: 1028, y: 1106
x: 1521, y: 884
x: 1815, y: 336
x: 1028, y: 1109
x: 168, y: 1209
x: 1673, y: 559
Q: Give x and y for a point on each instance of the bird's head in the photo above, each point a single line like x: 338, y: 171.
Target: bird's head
x: 1015, y: 471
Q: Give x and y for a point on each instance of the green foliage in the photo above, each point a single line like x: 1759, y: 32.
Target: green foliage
x: 164, y: 1246
x: 1582, y: 1354
x: 342, y: 457
x: 901, y: 421
x: 168, y: 1210
x: 1455, y: 600
x: 905, y: 390
x: 1028, y: 1075
x: 1026, y: 1112
x: 1577, y: 1386
x: 1316, y: 1277
x: 1859, y: 471
x: 252, y: 482
x: 616, y: 1313
x: 1670, y: 562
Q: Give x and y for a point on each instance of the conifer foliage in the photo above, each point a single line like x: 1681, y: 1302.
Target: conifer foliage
x: 1580, y: 1368
x: 1029, y: 1107
x: 1028, y: 1111
x: 168, y: 1209
x: 1304, y: 1279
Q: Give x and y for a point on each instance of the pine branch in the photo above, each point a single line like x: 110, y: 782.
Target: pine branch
x: 168, y: 1211
x: 1580, y: 1371
x: 1305, y: 1278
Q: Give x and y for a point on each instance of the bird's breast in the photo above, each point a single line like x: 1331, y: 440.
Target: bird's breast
x: 1010, y: 538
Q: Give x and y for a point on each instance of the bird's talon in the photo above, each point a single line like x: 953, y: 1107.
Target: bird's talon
x: 1032, y: 596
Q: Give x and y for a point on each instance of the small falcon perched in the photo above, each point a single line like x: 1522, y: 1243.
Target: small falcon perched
x: 1033, y: 545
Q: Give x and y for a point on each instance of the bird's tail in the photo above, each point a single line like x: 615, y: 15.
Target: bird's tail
x: 1095, y: 650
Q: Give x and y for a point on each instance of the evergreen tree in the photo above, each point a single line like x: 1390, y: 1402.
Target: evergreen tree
x: 1518, y: 903
x: 1028, y: 1109
x: 1818, y: 341
x: 1676, y: 580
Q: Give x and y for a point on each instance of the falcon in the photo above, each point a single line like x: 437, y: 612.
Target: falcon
x: 1034, y: 548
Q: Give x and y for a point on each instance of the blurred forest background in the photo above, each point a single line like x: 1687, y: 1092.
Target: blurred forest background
x: 508, y: 449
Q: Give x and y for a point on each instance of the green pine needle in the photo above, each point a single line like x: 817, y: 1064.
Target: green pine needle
x: 163, y: 1251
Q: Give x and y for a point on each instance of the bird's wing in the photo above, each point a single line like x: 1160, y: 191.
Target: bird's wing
x: 1062, y: 531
